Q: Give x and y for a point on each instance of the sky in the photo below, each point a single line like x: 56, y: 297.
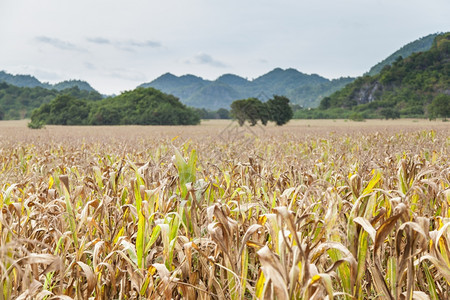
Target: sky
x: 115, y: 45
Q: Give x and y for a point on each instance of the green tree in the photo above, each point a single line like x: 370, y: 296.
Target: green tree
x: 440, y: 106
x: 325, y: 103
x: 104, y: 115
x: 279, y: 109
x: 251, y: 110
x: 390, y: 113
x: 238, y: 111
x: 223, y: 113
x: 203, y: 113
x: 63, y: 110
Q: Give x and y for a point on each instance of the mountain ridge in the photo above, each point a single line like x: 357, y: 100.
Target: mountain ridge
x: 219, y: 93
x: 420, y: 45
x: 22, y: 80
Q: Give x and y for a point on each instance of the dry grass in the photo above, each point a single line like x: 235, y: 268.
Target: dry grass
x: 312, y: 210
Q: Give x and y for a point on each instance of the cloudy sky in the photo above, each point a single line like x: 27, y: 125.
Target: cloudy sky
x: 116, y: 45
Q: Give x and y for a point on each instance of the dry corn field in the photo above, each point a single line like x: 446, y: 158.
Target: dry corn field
x: 319, y: 210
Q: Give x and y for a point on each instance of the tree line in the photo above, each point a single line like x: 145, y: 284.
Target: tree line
x: 142, y: 106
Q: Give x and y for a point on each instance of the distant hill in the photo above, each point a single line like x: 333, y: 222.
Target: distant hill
x: 419, y: 45
x: 404, y: 89
x: 306, y: 90
x: 182, y: 87
x: 31, y: 82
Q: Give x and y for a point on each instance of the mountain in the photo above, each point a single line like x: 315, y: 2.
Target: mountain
x: 182, y: 87
x: 213, y: 96
x: 31, y: 82
x: 404, y: 89
x: 419, y: 45
x: 278, y: 80
x: 234, y: 80
x: 220, y: 93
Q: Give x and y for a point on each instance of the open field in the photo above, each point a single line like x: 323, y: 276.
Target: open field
x: 313, y: 209
x: 18, y: 131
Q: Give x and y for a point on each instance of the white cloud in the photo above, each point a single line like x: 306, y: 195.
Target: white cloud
x: 126, y: 45
x: 89, y: 65
x: 206, y: 59
x: 99, y: 40
x: 57, y: 43
x: 151, y: 44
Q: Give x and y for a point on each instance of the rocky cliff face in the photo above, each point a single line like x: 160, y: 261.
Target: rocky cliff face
x: 369, y: 92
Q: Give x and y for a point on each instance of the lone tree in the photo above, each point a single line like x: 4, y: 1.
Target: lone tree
x: 280, y: 110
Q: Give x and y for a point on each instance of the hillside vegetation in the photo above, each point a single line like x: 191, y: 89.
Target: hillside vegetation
x: 19, y: 102
x: 405, y: 89
x: 140, y: 106
x: 419, y: 45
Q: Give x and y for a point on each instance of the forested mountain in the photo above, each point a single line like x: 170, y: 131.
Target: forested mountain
x: 419, y: 45
x: 18, y: 102
x: 31, y: 81
x: 306, y: 90
x: 182, y: 87
x: 405, y: 89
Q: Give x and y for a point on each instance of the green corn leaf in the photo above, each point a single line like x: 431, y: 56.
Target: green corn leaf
x: 430, y: 281
x: 71, y: 217
x: 375, y: 179
x: 141, y: 226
